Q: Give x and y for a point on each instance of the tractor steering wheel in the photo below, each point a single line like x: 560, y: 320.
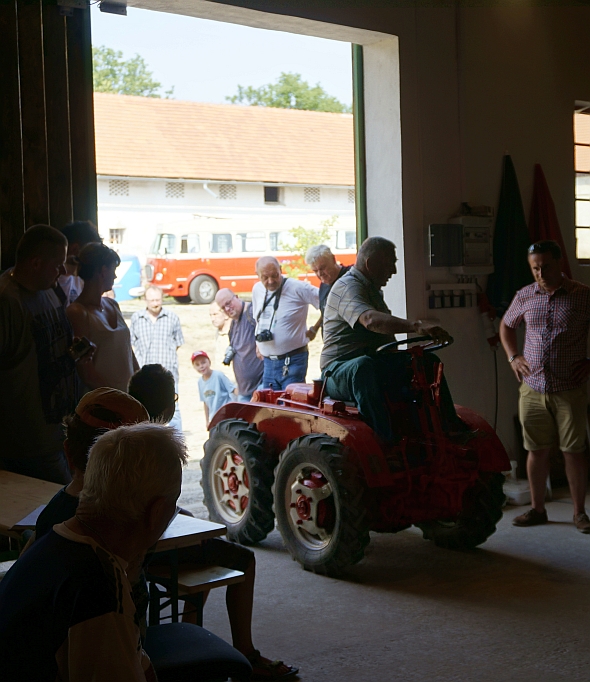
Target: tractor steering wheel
x: 428, y: 348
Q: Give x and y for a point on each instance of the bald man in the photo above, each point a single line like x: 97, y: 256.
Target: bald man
x: 280, y: 306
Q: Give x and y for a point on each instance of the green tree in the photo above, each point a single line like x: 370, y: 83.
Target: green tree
x: 289, y: 92
x: 112, y: 73
x: 302, y: 239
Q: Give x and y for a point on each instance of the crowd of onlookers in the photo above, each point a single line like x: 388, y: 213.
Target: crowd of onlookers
x: 77, y: 596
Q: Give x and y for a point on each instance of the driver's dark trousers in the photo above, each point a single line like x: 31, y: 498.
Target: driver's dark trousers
x: 368, y: 381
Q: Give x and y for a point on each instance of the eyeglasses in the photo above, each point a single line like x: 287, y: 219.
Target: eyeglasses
x: 228, y: 305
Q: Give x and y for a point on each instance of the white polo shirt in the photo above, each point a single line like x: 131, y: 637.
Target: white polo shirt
x: 289, y: 323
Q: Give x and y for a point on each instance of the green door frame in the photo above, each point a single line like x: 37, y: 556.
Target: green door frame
x: 360, y: 160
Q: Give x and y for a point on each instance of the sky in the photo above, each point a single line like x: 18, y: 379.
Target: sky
x: 206, y: 60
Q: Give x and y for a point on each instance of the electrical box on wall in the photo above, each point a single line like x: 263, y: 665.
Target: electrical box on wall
x: 464, y: 245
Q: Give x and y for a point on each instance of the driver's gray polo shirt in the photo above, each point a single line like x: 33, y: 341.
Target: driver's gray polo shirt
x: 344, y: 336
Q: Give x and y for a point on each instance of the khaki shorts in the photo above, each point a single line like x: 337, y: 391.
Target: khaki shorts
x: 550, y: 419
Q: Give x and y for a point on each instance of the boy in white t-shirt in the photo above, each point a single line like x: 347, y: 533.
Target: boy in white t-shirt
x: 215, y: 389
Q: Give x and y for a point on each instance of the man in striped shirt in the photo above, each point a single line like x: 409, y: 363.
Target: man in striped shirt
x: 552, y: 370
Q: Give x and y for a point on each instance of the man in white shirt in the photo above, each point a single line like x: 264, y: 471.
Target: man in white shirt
x: 280, y: 306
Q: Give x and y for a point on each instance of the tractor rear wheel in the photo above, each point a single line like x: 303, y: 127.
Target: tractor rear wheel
x: 482, y: 509
x: 318, y: 502
x: 237, y: 479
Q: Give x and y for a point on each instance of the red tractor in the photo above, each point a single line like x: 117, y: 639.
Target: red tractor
x: 312, y: 462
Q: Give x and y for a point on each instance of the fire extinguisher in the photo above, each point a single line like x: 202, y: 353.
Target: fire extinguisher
x: 488, y: 314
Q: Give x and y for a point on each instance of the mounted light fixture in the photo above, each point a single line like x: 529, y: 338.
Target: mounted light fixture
x: 114, y: 7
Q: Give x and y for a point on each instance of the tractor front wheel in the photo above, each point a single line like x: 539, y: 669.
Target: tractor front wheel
x: 318, y: 505
x: 237, y: 479
x: 482, y: 509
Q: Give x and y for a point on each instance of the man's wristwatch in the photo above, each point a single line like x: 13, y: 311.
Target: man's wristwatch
x: 512, y: 358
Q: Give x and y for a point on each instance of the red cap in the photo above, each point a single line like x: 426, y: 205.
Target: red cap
x: 199, y: 354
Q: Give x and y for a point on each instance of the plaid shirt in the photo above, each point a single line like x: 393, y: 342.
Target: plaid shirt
x: 156, y: 342
x: 556, y: 332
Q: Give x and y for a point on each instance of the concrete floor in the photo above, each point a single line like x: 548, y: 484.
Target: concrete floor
x: 515, y: 609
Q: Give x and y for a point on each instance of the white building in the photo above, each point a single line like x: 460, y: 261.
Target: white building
x: 161, y: 162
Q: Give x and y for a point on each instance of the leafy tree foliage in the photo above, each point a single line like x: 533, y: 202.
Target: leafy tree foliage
x: 301, y: 240
x: 112, y: 73
x: 289, y: 92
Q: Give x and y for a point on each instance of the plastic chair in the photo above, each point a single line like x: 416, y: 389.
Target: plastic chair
x: 181, y: 652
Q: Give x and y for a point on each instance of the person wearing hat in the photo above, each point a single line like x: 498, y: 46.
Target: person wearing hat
x: 101, y: 410
x: 215, y: 389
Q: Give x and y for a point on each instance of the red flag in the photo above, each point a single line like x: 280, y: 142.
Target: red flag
x: 543, y: 223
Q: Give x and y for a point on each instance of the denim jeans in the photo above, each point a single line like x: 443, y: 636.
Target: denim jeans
x: 274, y: 377
x: 368, y: 381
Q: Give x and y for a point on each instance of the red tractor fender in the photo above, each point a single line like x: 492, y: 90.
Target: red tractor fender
x: 281, y: 426
x: 491, y: 453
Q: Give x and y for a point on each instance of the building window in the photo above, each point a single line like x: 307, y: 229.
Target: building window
x: 116, y: 235
x: 311, y: 194
x: 582, y: 167
x: 351, y: 196
x: 175, y: 190
x: 228, y: 192
x: 118, y: 188
x: 272, y: 195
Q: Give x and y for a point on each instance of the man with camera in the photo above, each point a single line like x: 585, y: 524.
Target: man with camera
x: 242, y: 349
x: 37, y: 359
x: 280, y: 306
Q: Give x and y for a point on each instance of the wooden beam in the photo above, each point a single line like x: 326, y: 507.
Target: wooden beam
x: 32, y: 88
x: 12, y: 223
x: 81, y: 116
x: 57, y: 117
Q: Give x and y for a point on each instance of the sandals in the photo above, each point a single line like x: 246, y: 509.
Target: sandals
x: 264, y: 669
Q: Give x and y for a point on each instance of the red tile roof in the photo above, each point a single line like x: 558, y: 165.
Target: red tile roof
x: 149, y: 137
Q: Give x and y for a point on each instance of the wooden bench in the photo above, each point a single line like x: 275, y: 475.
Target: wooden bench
x: 191, y: 583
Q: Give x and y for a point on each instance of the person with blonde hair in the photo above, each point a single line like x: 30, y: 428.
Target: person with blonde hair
x: 68, y: 599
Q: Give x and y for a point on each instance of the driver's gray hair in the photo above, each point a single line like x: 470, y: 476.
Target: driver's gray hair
x: 371, y: 247
x: 314, y: 253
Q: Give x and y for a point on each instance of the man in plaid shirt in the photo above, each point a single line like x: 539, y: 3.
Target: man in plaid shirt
x: 552, y: 370
x: 156, y: 335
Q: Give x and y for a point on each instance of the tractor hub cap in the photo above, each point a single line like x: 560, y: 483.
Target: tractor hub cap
x: 310, y: 502
x: 230, y: 484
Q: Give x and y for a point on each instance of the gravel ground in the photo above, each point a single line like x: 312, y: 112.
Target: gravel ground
x: 199, y: 333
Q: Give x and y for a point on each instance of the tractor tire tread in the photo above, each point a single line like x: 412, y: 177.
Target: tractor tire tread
x: 260, y: 517
x: 354, y: 529
x: 477, y: 522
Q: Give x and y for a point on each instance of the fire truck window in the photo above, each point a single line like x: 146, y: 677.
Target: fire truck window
x: 221, y: 243
x: 279, y: 240
x: 189, y: 243
x: 166, y: 243
x: 346, y: 239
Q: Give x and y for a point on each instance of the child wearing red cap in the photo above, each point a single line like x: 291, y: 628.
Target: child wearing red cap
x: 215, y: 389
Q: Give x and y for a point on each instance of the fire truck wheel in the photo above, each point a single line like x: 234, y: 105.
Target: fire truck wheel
x: 318, y: 502
x: 237, y: 479
x: 481, y: 512
x: 203, y: 289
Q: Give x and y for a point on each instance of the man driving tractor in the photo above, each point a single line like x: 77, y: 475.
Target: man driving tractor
x: 357, y: 322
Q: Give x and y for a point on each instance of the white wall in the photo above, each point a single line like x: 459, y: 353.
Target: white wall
x: 146, y: 209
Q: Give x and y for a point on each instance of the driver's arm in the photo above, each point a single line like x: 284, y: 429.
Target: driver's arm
x: 382, y: 323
